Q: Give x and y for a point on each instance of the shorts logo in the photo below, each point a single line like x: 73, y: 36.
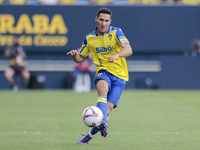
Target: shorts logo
x: 99, y: 74
x: 103, y: 50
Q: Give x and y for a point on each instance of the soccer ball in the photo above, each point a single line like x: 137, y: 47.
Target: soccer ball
x: 92, y: 116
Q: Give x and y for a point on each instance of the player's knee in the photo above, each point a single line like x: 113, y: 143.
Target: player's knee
x: 102, y: 91
x: 7, y: 74
x: 26, y: 75
x: 102, y: 88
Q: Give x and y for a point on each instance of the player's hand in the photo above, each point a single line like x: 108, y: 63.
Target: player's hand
x: 112, y: 58
x: 72, y: 53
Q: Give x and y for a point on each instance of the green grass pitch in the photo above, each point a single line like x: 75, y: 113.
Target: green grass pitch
x: 144, y: 120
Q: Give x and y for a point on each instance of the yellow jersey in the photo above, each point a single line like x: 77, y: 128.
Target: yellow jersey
x: 101, y: 47
x: 17, y: 62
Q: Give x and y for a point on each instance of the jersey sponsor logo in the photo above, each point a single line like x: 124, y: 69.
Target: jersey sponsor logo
x: 104, y: 50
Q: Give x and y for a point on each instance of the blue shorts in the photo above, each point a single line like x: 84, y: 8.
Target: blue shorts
x: 18, y: 69
x: 116, y: 85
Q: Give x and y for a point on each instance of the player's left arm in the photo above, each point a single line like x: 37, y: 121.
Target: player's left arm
x: 125, y: 52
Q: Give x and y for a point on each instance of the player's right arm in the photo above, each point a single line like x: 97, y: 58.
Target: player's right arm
x: 7, y: 51
x: 76, y: 56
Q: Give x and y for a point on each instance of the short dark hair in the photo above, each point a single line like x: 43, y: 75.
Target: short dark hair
x: 104, y: 11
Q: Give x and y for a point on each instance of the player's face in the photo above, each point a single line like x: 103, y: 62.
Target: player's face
x: 103, y: 22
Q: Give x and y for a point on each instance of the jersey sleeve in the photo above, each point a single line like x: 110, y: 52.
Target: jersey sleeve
x: 84, y: 51
x: 121, y: 37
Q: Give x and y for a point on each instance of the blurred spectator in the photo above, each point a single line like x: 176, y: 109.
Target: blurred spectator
x: 191, y: 2
x: 32, y: 2
x: 67, y: 2
x: 4, y: 2
x: 165, y: 2
x: 13, y: 2
x: 101, y: 2
x: 178, y: 2
x: 17, y: 65
x: 132, y: 1
x: 17, y: 2
x: 143, y: 1
x: 195, y: 47
x: 82, y: 75
x: 49, y: 2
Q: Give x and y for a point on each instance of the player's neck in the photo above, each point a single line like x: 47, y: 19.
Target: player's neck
x: 101, y: 33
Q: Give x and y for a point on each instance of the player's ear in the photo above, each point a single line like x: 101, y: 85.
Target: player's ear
x: 96, y: 18
x: 110, y: 21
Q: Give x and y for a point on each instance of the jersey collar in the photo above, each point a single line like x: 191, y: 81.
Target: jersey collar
x: 109, y: 31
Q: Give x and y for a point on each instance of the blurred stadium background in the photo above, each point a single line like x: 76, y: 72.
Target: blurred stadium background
x: 160, y: 33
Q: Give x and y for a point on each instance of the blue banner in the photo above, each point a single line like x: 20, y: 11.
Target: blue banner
x: 58, y: 28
